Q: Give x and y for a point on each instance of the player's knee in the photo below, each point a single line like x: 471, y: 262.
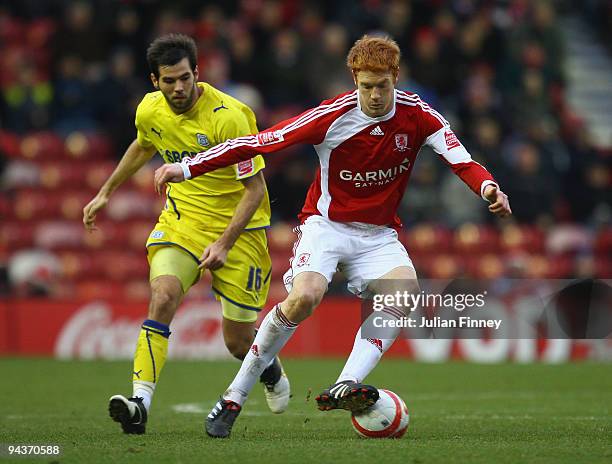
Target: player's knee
x: 300, y: 304
x: 165, y: 298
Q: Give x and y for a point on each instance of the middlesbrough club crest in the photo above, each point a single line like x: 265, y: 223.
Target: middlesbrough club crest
x: 401, y: 142
x: 303, y: 259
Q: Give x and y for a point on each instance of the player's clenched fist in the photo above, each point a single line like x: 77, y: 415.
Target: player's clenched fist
x: 168, y: 173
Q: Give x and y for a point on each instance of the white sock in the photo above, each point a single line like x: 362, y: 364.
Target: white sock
x: 368, y: 351
x: 145, y: 391
x: 274, y: 332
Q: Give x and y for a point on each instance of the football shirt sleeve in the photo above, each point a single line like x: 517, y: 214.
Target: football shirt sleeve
x: 440, y: 137
x: 142, y: 132
x: 307, y: 127
x: 236, y: 124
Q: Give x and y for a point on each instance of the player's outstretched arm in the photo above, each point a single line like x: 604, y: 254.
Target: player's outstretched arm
x: 309, y: 127
x: 134, y: 158
x: 500, y: 205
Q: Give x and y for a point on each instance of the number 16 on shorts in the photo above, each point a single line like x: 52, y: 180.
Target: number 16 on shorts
x: 254, y: 280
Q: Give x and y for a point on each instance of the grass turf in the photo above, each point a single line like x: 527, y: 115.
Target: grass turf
x: 459, y: 413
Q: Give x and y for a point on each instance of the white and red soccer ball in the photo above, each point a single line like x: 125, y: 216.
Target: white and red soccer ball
x: 387, y: 418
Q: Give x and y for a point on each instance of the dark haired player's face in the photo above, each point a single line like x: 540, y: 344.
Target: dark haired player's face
x: 375, y: 92
x: 178, y: 85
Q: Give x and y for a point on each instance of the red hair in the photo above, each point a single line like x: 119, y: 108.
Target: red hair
x: 376, y: 54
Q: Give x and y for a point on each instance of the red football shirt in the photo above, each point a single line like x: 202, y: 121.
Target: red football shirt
x: 365, y: 163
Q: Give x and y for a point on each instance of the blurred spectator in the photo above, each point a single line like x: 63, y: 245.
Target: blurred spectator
x: 117, y: 95
x: 284, y: 75
x: 81, y: 36
x: 130, y: 34
x: 74, y: 99
x: 529, y: 185
x: 328, y: 58
x: 27, y: 100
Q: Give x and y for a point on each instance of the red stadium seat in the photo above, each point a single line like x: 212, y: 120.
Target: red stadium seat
x: 66, y: 175
x: 138, y: 232
x: 32, y: 204
x: 79, y: 265
x: 427, y: 237
x: 122, y: 266
x: 137, y: 290
x: 490, y: 266
x: 472, y: 238
x: 72, y: 203
x: 99, y: 289
x: 81, y: 145
x: 142, y: 180
x: 17, y: 235
x: 97, y: 174
x: 42, y: 146
x: 442, y: 266
x: 10, y: 144
x: 521, y: 238
x: 59, y: 235
x: 130, y: 205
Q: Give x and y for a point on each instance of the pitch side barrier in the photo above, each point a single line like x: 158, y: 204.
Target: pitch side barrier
x: 519, y: 320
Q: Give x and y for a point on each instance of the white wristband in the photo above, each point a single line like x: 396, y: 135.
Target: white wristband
x: 186, y: 172
x: 484, y: 186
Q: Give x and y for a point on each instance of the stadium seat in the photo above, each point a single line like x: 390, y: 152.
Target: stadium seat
x: 521, y: 238
x: 129, y: 205
x: 99, y: 289
x: 97, y: 174
x: 472, y: 238
x: 490, y: 266
x: 41, y: 145
x: 79, y: 265
x: 138, y: 232
x: 81, y: 145
x: 36, y: 204
x: 10, y: 144
x: 17, y: 235
x: 72, y: 204
x: 427, y: 237
x: 59, y: 235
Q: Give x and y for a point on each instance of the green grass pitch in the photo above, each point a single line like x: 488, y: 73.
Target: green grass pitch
x: 459, y: 412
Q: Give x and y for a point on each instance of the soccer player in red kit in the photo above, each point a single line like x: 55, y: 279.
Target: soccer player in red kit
x: 367, y: 141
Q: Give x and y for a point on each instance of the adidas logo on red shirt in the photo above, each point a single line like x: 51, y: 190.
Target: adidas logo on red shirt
x: 377, y: 131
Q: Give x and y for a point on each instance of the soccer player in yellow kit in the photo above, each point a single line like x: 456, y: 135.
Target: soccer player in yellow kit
x: 215, y: 222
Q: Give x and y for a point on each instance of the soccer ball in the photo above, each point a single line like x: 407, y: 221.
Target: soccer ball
x: 387, y: 418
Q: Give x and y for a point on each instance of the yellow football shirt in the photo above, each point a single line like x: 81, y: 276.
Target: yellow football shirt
x: 209, y: 200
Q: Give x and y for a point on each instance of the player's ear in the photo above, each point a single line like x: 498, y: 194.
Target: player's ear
x: 354, y: 77
x: 196, y: 73
x: 154, y: 81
